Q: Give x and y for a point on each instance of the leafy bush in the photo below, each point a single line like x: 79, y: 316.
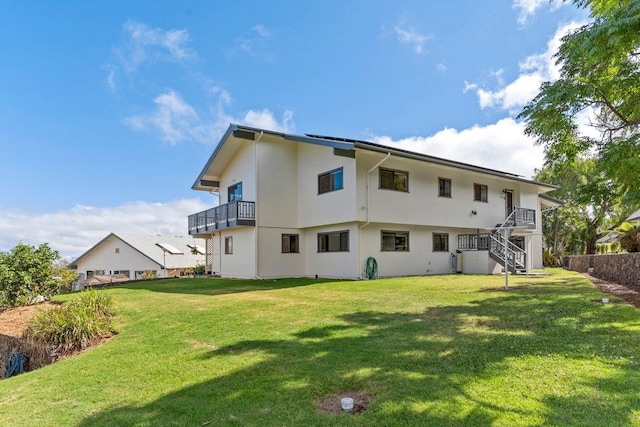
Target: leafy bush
x: 65, y: 277
x: 549, y: 259
x: 26, y: 273
x: 615, y: 247
x: 200, y: 269
x: 150, y: 275
x: 630, y: 241
x: 77, y: 325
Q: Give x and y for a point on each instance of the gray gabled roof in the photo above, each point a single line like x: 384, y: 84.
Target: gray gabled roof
x: 147, y: 245
x: 249, y: 133
x: 634, y: 216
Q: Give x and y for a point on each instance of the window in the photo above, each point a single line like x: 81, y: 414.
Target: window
x: 337, y: 241
x: 330, y: 181
x: 125, y: 272
x: 290, y: 244
x: 228, y: 245
x: 117, y: 250
x: 139, y: 274
x: 235, y: 192
x: 480, y: 192
x: 395, y: 241
x: 394, y: 180
x: 444, y: 187
x: 440, y: 242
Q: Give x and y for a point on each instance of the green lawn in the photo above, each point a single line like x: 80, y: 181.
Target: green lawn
x: 443, y: 350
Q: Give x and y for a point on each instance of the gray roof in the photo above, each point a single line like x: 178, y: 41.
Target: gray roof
x: 250, y: 133
x: 149, y: 246
x: 634, y: 216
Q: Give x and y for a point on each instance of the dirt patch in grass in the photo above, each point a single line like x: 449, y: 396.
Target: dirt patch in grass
x: 331, y: 404
x: 627, y: 292
x: 14, y: 322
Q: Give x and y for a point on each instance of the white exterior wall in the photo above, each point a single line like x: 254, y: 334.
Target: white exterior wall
x: 332, y: 264
x: 333, y: 207
x: 419, y: 260
x: 421, y: 205
x: 277, y: 202
x: 241, y: 263
x: 240, y: 169
x: 105, y: 258
x: 272, y: 262
x: 479, y: 262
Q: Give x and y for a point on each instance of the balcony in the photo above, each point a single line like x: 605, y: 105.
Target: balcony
x: 521, y: 218
x: 229, y: 215
x: 477, y: 241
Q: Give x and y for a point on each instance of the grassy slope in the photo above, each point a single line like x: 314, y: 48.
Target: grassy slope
x: 447, y: 350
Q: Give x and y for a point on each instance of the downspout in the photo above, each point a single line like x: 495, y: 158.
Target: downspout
x: 367, y: 204
x: 256, y: 204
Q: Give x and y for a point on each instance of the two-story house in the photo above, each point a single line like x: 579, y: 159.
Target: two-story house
x: 310, y: 205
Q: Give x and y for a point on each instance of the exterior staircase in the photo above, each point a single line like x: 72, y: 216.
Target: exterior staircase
x: 505, y: 252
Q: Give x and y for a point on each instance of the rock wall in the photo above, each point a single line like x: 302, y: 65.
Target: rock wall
x: 619, y: 268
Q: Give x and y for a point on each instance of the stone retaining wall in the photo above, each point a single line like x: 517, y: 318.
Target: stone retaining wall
x: 619, y: 268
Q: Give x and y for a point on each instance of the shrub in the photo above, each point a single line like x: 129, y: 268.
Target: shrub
x: 150, y: 275
x: 65, y: 277
x: 630, y: 241
x: 615, y: 247
x: 77, y: 325
x: 26, y: 273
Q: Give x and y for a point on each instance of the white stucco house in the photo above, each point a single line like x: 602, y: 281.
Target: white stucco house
x: 138, y: 256
x: 307, y: 205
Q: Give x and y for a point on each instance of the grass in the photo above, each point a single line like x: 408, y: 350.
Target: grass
x: 442, y: 351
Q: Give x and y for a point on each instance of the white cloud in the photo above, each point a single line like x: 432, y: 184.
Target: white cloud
x: 60, y: 229
x: 534, y: 70
x: 442, y: 67
x: 528, y: 8
x: 469, y: 86
x: 253, y: 46
x: 177, y: 121
x: 502, y: 146
x: 142, y: 43
x: 173, y: 118
x: 407, y: 34
x: 265, y: 119
x: 261, y: 31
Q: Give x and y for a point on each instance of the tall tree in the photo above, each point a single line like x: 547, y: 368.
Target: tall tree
x: 599, y: 78
x: 592, y: 203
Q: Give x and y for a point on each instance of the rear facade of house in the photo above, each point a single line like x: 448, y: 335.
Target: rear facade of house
x: 305, y: 206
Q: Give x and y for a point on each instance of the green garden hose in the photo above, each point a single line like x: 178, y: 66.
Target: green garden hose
x: 371, y: 268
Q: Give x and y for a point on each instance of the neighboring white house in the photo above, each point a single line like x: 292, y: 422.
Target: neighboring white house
x: 307, y: 205
x: 137, y: 256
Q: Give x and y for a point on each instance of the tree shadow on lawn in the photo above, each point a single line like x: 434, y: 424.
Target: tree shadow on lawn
x: 541, y: 356
x: 218, y: 286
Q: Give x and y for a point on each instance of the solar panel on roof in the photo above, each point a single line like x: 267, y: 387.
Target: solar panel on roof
x: 198, y: 249
x: 170, y: 249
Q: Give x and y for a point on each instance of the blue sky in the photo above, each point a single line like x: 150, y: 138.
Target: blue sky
x: 109, y: 110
